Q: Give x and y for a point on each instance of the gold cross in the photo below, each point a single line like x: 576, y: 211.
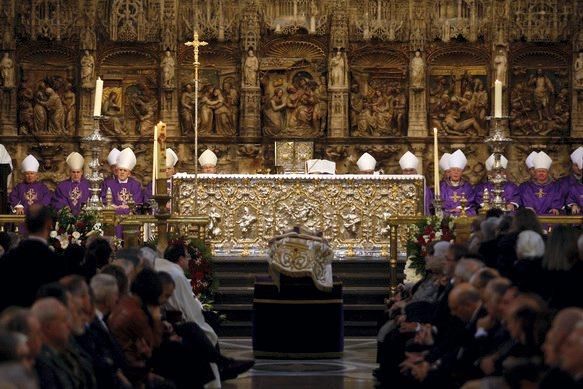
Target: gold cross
x: 75, y: 195
x: 455, y: 197
x: 30, y: 196
x: 195, y: 43
x: 124, y: 196
x: 540, y: 194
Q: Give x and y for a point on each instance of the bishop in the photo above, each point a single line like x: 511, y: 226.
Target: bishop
x: 510, y: 195
x: 30, y: 191
x: 74, y: 191
x: 541, y: 194
x: 454, y: 188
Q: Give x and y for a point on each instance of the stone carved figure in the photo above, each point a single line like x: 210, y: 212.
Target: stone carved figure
x: 7, y: 72
x: 40, y: 112
x: 187, y: 110
x: 500, y: 61
x: 168, y: 66
x: 205, y: 111
x: 579, y: 70
x: 337, y: 70
x: 232, y: 100
x: 142, y: 106
x: 25, y: 110
x: 417, y: 71
x: 87, y: 70
x: 56, y: 111
x: 70, y: 112
x: 251, y: 68
x: 223, y: 118
x: 112, y: 119
x: 543, y: 88
x: 246, y: 221
x: 274, y: 113
x: 216, y: 112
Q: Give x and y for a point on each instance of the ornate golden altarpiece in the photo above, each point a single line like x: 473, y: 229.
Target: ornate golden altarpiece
x: 352, y: 211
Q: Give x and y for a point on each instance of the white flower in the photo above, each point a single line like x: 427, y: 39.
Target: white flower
x: 57, y: 226
x: 54, y: 234
x: 76, y: 235
x: 438, y: 235
x: 425, y: 238
x: 97, y: 226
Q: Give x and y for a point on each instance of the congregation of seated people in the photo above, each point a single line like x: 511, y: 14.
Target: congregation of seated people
x: 95, y: 318
x: 502, y: 310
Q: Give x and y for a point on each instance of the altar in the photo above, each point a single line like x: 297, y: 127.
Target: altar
x: 247, y: 210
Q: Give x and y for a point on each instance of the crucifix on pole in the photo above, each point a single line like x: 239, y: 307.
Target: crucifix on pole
x: 196, y: 43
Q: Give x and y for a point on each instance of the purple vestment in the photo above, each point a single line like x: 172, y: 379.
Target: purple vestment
x: 428, y: 201
x: 122, y: 192
x: 510, y: 194
x: 541, y: 197
x: 29, y: 194
x: 565, y: 184
x: 148, y: 190
x: 576, y: 195
x: 451, y: 197
x: 72, y: 194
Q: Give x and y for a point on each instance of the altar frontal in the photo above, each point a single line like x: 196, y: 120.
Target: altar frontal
x: 246, y: 211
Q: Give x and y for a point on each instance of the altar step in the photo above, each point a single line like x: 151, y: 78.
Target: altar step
x: 365, y: 286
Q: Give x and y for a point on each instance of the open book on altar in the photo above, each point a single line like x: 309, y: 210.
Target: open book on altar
x: 320, y: 166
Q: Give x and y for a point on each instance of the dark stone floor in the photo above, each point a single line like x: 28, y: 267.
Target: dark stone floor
x: 353, y: 371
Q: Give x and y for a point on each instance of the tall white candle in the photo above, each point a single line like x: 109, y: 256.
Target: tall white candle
x: 498, y: 99
x: 98, y: 97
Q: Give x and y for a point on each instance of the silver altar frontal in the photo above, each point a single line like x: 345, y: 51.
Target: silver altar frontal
x: 247, y: 210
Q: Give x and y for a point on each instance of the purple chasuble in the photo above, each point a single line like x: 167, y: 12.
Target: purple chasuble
x: 566, y: 183
x: 122, y: 192
x: 451, y: 197
x: 428, y: 201
x: 71, y: 194
x: 541, y: 198
x: 576, y: 195
x: 29, y: 194
x: 510, y: 194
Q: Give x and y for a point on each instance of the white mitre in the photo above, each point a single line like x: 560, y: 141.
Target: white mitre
x: 75, y: 161
x: 30, y: 164
x: 409, y: 161
x: 112, y: 156
x: 208, y: 158
x: 366, y: 163
x: 542, y: 161
x: 529, y: 160
x: 490, y: 162
x: 5, y: 156
x: 444, y: 161
x: 458, y: 160
x: 577, y: 157
x: 127, y: 159
x: 171, y: 158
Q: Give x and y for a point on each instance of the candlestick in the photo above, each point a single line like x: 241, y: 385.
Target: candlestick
x: 98, y: 97
x: 435, y: 163
x: 498, y: 99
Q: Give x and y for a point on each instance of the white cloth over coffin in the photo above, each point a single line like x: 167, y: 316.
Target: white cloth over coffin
x: 301, y: 254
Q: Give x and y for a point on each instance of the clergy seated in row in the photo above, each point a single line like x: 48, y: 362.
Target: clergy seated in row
x: 510, y: 189
x: 409, y: 164
x: 31, y: 191
x: 542, y: 194
x: 574, y: 177
x: 575, y: 196
x: 454, y: 188
x: 171, y: 160
x: 112, y: 162
x: 74, y: 191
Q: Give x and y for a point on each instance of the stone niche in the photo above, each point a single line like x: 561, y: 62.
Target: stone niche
x: 539, y: 93
x: 293, y: 88
x: 219, y: 92
x: 378, y: 92
x: 458, y: 92
x: 130, y: 105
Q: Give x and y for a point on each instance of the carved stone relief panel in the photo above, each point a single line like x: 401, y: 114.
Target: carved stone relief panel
x: 541, y: 20
x: 292, y: 16
x: 458, y: 92
x: 539, y: 94
x: 462, y: 19
x: 47, y: 97
x: 378, y: 98
x: 218, y: 96
x: 130, y: 104
x: 385, y: 20
x: 212, y: 19
x: 293, y: 86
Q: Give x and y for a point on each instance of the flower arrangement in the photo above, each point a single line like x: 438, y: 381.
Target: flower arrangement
x: 421, y: 235
x: 201, y: 272
x: 74, y: 229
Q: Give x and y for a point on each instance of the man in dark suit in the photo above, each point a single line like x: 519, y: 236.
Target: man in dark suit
x: 31, y: 263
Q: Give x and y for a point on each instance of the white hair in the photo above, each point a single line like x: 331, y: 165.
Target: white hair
x: 529, y: 245
x: 103, y: 285
x: 489, y: 227
x: 440, y: 249
x: 466, y: 268
x: 148, y: 256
